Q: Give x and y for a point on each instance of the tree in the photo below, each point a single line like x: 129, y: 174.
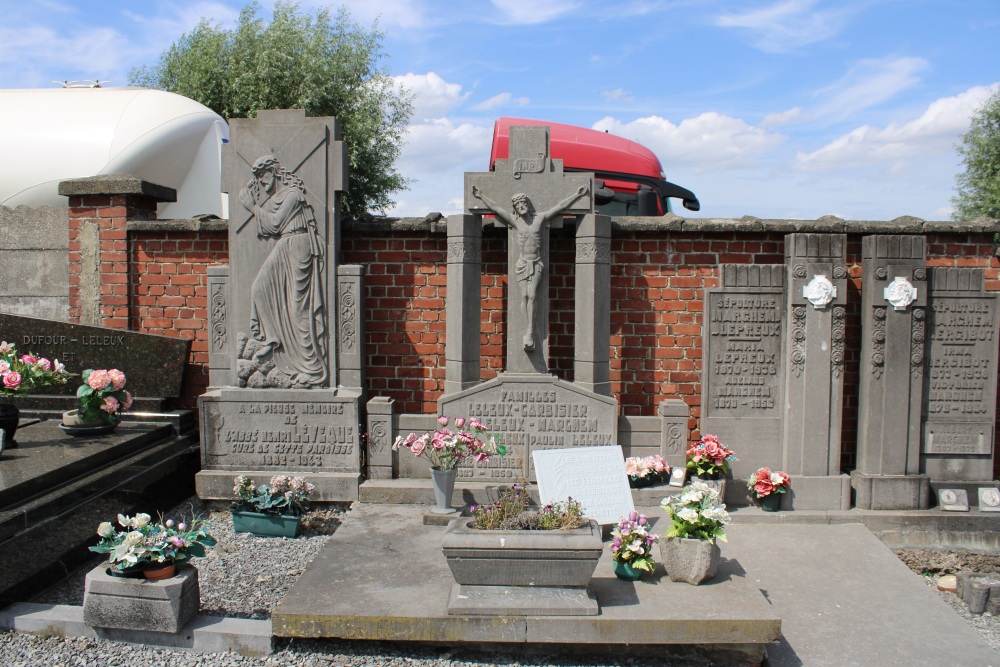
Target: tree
x: 327, y: 66
x: 979, y: 185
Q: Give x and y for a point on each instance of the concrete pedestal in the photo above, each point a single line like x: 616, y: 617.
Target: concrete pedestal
x: 140, y: 604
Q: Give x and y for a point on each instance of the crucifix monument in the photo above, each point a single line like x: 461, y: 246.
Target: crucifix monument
x: 528, y: 407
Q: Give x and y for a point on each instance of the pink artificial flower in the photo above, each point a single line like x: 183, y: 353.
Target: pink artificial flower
x: 99, y: 380
x: 476, y: 425
x: 12, y: 380
x: 60, y: 366
x: 6, y: 347
x: 4, y: 367
x: 128, y: 401
x: 117, y: 378
x: 110, y: 405
x: 763, y: 488
x: 438, y: 443
x: 44, y: 364
x: 177, y: 541
x: 443, y: 420
x: 418, y: 447
x: 28, y: 359
x: 459, y: 422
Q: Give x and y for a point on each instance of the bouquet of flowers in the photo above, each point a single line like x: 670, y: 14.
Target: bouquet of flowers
x: 141, y: 542
x: 709, y: 458
x: 445, y: 448
x: 696, y: 513
x: 632, y: 543
x: 22, y: 373
x: 284, y: 495
x: 764, y: 482
x: 645, y: 470
x: 102, y: 396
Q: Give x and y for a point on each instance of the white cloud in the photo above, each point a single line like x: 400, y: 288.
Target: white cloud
x: 36, y: 55
x: 787, y: 25
x: 433, y: 96
x: 899, y: 145
x: 867, y: 83
x: 537, y: 11
x: 787, y: 117
x: 708, y: 141
x: 501, y: 100
x: 617, y: 95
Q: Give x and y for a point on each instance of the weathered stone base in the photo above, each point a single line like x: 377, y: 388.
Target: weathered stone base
x: 140, y: 604
x: 832, y: 492
x: 890, y: 492
x: 330, y: 486
x: 522, y: 601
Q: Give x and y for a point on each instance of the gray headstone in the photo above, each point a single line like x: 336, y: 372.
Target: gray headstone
x: 989, y: 499
x: 595, y: 476
x: 153, y: 365
x: 960, y: 382
x: 894, y: 328
x: 742, y: 368
x: 953, y: 500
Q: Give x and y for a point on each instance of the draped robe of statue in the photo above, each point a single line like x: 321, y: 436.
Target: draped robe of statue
x: 286, y: 299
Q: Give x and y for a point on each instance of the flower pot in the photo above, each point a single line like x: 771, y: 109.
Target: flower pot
x: 157, y: 571
x: 690, y: 561
x: 625, y: 571
x: 73, y: 424
x: 9, y: 416
x: 651, y: 479
x: 131, y: 572
x: 770, y: 503
x: 444, y: 488
x: 265, y: 525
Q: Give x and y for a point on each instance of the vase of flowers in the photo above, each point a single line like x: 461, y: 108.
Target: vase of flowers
x: 709, y: 460
x: 445, y: 449
x: 632, y: 547
x: 645, y: 471
x: 21, y: 374
x: 103, y: 398
x: 140, y: 546
x: 697, y: 520
x: 767, y: 487
x: 270, y: 510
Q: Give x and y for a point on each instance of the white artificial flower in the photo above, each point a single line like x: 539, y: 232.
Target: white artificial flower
x: 776, y: 479
x: 141, y: 520
x: 124, y: 521
x: 689, y: 515
x: 106, y: 529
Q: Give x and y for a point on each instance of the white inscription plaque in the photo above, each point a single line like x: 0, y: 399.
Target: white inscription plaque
x: 595, y: 476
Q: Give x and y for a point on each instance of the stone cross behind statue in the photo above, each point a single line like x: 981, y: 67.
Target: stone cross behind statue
x: 529, y: 194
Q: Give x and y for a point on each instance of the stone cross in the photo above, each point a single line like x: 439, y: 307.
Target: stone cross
x: 529, y: 194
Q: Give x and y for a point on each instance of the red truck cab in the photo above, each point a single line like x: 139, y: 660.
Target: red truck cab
x: 630, y: 176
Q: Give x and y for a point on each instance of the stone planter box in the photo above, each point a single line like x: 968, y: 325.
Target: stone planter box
x: 141, y: 604
x: 522, y: 572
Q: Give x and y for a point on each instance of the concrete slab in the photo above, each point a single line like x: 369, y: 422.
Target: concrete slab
x: 401, y: 587
x: 209, y: 634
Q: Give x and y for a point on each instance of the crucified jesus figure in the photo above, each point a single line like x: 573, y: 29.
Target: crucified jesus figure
x: 529, y: 225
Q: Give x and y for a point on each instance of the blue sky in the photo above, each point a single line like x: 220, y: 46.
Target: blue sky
x: 771, y: 108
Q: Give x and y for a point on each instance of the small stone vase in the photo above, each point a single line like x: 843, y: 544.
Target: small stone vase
x: 770, y: 503
x: 625, y: 571
x: 74, y: 424
x: 690, y: 561
x: 444, y: 488
x: 717, y: 483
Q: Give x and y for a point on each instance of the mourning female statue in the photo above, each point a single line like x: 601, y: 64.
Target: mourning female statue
x: 529, y: 225
x: 286, y: 298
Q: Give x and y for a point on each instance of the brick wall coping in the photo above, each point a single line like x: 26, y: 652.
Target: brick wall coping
x: 116, y: 184
x: 437, y: 224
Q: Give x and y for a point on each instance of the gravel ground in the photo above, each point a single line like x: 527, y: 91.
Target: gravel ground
x: 246, y: 576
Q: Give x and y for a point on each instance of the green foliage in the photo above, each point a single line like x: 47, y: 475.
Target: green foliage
x: 284, y: 495
x: 325, y: 64
x: 510, y: 512
x: 979, y: 185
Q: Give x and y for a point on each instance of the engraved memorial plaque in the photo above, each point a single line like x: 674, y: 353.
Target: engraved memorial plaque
x: 595, y: 476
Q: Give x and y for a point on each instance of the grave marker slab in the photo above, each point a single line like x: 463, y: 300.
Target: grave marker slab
x: 989, y: 499
x: 595, y: 476
x: 953, y: 500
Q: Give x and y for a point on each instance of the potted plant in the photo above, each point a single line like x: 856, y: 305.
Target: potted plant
x: 20, y: 374
x: 709, y: 460
x: 102, y: 400
x: 697, y: 520
x: 140, y: 548
x: 766, y: 487
x: 509, y: 557
x: 445, y: 449
x: 270, y: 510
x: 632, y: 547
x: 646, y: 470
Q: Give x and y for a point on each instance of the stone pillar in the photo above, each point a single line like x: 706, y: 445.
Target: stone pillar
x: 219, y: 363
x: 893, y: 323
x: 381, y: 457
x: 351, y: 329
x: 673, y: 430
x: 99, y: 210
x: 463, y: 308
x: 592, y: 339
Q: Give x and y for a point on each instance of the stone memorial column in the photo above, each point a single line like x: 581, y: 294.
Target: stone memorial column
x: 463, y: 308
x: 592, y: 340
x: 381, y: 457
x: 351, y: 311
x: 673, y: 430
x: 960, y: 381
x: 814, y: 369
x: 219, y: 362
x: 893, y: 322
